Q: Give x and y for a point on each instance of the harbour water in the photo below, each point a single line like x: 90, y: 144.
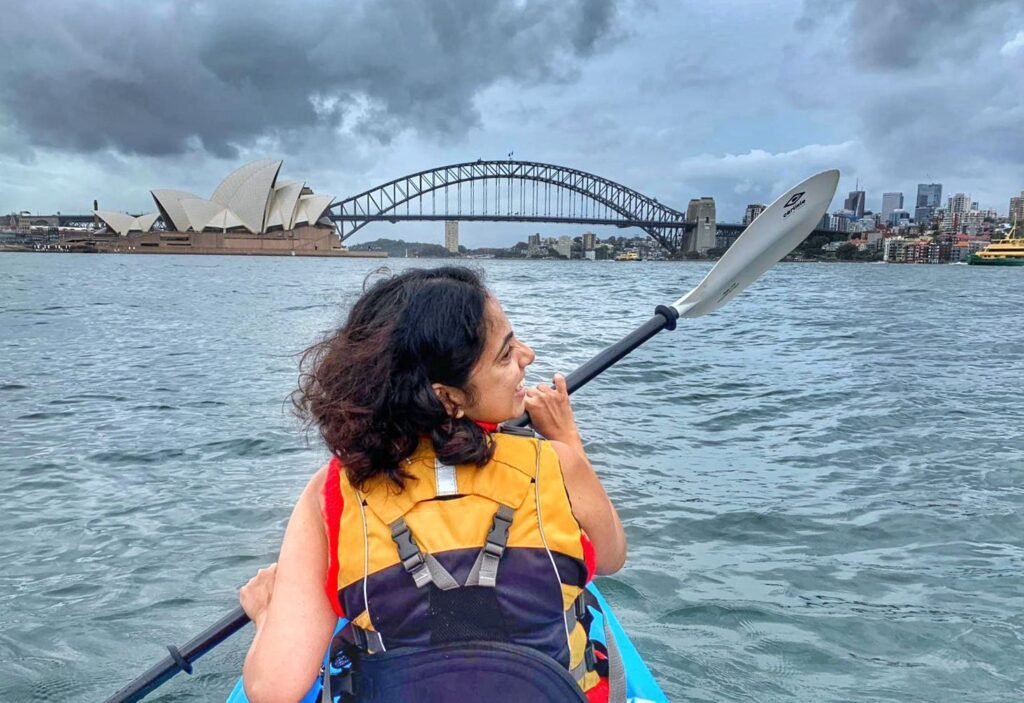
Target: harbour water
x: 822, y: 483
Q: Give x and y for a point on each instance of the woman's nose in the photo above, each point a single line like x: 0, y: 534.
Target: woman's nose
x: 527, y: 357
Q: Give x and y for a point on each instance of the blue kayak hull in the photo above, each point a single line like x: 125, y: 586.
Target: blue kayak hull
x: 640, y: 684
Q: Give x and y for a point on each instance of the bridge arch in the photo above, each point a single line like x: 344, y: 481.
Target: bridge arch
x: 532, y: 191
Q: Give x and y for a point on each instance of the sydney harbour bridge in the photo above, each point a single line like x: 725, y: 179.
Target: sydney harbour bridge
x: 515, y: 191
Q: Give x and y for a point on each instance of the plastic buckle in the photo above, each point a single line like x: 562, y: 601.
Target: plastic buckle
x: 589, y: 656
x: 408, y: 551
x: 494, y: 549
x: 580, y: 607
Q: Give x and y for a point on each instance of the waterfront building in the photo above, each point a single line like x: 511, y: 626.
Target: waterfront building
x: 533, y: 240
x: 929, y: 195
x: 564, y: 246
x: 1017, y: 210
x: 451, y: 236
x: 890, y: 202
x: 753, y: 210
x: 250, y: 199
x: 701, y: 211
x: 924, y: 214
x: 826, y: 222
x: 855, y: 203
x: 589, y: 241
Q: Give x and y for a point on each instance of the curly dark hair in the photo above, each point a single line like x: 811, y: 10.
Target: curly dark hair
x: 367, y: 386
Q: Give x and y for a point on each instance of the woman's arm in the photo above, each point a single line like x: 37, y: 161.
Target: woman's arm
x: 551, y: 414
x: 293, y: 619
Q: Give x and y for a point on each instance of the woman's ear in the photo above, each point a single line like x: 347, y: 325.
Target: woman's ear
x: 451, y: 398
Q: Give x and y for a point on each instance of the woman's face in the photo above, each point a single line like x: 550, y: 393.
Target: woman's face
x: 496, y: 390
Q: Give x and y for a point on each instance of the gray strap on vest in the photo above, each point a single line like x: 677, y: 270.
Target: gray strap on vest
x: 616, y: 671
x: 441, y: 577
x: 485, y: 569
x: 423, y: 568
x: 326, y: 695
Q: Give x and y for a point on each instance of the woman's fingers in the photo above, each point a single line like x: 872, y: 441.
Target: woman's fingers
x: 560, y: 384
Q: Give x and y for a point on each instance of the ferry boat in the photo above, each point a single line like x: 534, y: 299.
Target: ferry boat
x: 1008, y: 251
x: 628, y: 256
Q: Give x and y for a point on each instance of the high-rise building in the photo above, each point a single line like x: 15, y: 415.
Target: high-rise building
x: 890, y: 202
x: 701, y: 211
x: 898, y: 218
x: 959, y: 204
x: 1017, y: 210
x: 451, y: 236
x: 753, y: 210
x: 924, y: 214
x: 929, y: 195
x: 564, y: 246
x: 533, y: 240
x: 841, y: 220
x: 589, y: 241
x: 855, y: 203
x: 826, y: 222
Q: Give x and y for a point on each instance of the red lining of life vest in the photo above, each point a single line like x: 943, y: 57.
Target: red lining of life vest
x: 589, y: 556
x: 334, y: 503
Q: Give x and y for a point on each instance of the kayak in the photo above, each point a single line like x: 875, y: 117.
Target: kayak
x: 641, y: 686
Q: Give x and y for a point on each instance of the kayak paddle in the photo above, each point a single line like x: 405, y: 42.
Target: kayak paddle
x: 775, y: 233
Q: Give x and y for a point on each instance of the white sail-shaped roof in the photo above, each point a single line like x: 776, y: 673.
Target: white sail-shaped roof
x: 199, y: 211
x: 248, y: 197
x: 117, y: 221
x: 168, y: 201
x: 247, y: 192
x: 224, y: 220
x: 281, y: 212
x: 145, y: 222
x: 123, y: 223
x: 311, y: 208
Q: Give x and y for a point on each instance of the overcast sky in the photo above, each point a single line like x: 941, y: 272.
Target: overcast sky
x: 732, y: 99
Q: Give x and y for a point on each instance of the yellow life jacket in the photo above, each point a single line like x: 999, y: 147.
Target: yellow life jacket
x: 464, y: 553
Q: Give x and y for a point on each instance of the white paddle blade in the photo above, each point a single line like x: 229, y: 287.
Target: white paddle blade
x: 775, y: 233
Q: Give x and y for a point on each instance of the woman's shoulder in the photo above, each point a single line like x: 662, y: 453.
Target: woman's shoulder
x: 315, y: 492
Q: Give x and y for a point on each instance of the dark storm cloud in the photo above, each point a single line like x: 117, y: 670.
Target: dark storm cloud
x: 905, y: 34
x: 926, y: 83
x: 162, y: 78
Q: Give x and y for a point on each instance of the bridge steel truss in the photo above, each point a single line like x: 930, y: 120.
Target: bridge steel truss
x: 511, y: 191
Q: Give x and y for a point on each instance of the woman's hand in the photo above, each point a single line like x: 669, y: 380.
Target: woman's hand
x: 551, y: 413
x: 255, y: 595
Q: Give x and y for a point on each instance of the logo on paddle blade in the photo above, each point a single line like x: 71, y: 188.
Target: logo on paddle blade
x: 795, y: 202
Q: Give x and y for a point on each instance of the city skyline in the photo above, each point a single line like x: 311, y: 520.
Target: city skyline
x: 678, y: 102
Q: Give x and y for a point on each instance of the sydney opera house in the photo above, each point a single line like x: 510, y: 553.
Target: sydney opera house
x: 250, y: 212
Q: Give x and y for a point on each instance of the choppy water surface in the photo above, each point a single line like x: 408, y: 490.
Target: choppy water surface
x: 822, y: 483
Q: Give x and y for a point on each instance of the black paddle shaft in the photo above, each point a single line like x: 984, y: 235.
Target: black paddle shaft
x: 181, y: 659
x: 664, y: 318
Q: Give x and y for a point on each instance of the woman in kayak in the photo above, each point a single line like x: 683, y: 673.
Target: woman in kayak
x: 430, y: 525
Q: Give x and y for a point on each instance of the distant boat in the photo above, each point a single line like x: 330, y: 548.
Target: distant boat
x: 628, y: 256
x: 1008, y: 251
